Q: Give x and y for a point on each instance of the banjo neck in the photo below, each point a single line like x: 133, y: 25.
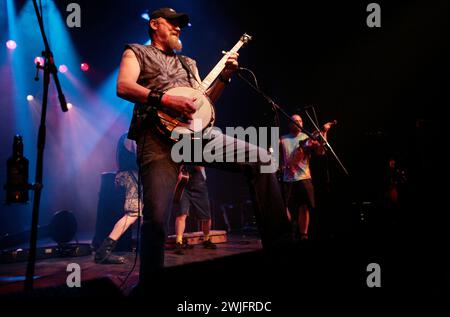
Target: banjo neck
x: 168, y: 123
x: 214, y: 73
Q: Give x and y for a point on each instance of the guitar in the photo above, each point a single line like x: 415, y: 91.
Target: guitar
x: 183, y: 179
x: 204, y: 117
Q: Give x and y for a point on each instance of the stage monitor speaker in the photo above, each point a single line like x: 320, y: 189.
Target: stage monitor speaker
x: 62, y: 229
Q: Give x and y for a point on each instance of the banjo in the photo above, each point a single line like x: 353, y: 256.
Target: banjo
x: 175, y: 126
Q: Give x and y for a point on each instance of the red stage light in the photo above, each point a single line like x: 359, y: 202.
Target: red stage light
x: 84, y: 67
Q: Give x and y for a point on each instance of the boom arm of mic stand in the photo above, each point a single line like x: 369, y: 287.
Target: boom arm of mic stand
x: 273, y: 104
x: 327, y: 143
x: 277, y: 107
x: 49, y: 58
x: 54, y: 72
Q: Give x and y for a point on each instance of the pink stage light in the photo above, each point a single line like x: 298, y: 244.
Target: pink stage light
x: 84, y: 67
x: 11, y: 44
x: 39, y: 60
x: 63, y: 68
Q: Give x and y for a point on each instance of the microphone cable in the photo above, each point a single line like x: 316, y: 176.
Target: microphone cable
x: 140, y: 215
x: 249, y: 71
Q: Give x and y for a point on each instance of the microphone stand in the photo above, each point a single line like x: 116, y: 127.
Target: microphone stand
x: 276, y: 108
x: 326, y: 143
x: 49, y: 69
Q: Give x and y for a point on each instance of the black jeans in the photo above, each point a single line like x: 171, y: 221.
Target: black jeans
x: 159, y: 177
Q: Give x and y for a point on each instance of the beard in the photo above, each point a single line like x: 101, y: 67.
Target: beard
x: 175, y: 44
x: 294, y: 129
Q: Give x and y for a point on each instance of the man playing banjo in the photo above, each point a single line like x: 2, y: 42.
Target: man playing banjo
x: 149, y: 76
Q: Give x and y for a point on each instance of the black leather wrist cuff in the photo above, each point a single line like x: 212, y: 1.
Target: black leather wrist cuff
x: 224, y: 80
x: 154, y: 98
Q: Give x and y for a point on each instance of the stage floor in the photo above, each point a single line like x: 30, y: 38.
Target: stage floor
x: 240, y: 270
x: 52, y: 272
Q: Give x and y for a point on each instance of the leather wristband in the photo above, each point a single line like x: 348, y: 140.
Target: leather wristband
x: 154, y: 98
x: 224, y: 80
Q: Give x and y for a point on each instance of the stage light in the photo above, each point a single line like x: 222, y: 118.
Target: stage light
x: 39, y: 60
x: 63, y: 68
x: 145, y: 16
x: 30, y: 97
x: 69, y: 105
x: 84, y: 67
x: 11, y: 44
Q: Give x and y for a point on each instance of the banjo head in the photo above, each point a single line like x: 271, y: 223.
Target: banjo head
x: 203, y: 117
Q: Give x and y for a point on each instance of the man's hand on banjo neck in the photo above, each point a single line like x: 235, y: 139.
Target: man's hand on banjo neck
x: 186, y: 105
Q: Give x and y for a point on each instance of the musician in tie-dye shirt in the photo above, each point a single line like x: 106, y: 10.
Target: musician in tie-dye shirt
x: 296, y: 149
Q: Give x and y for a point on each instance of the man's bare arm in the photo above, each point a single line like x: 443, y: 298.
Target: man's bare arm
x: 129, y: 89
x: 231, y: 66
x: 127, y: 86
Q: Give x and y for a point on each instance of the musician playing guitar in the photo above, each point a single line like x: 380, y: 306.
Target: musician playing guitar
x: 168, y: 94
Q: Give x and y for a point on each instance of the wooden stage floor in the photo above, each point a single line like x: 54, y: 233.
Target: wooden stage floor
x: 52, y: 272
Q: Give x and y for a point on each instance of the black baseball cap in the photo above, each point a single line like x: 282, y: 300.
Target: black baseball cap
x: 171, y: 14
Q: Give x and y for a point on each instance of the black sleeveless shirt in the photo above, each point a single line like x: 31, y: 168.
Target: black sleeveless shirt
x: 160, y: 71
